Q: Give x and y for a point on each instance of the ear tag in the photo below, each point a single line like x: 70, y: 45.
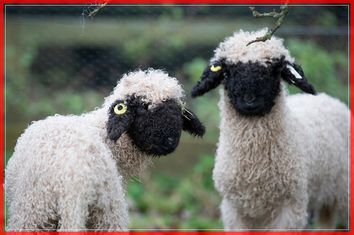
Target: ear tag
x: 184, y: 109
x: 185, y: 116
x: 294, y: 72
x: 215, y: 68
x: 187, y: 111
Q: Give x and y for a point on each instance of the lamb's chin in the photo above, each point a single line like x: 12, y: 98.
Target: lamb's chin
x: 160, y: 151
x: 254, y: 112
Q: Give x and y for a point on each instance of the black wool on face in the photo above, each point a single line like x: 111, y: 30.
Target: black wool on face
x: 119, y: 123
x: 212, y: 76
x: 294, y: 75
x: 252, y: 88
x: 192, y: 124
x: 157, y: 131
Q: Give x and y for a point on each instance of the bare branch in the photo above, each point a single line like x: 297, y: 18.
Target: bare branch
x: 257, y: 14
x: 99, y: 7
x: 280, y: 15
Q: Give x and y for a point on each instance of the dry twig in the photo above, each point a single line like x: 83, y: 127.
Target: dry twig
x: 94, y: 12
x: 280, y: 15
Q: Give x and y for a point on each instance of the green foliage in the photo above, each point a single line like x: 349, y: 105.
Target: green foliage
x: 322, y: 68
x: 8, y: 154
x: 163, y: 201
x: 207, y: 109
x: 65, y: 102
x: 35, y: 103
x: 205, y: 106
x: 195, y: 68
x: 328, y: 19
x: 26, y: 60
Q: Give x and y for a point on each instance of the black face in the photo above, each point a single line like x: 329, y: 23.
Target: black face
x: 252, y: 88
x: 156, y: 131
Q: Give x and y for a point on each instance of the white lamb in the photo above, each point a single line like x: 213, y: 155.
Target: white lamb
x: 279, y: 157
x: 69, y: 172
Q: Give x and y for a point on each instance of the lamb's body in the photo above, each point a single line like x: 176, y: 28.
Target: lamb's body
x: 67, y: 173
x: 270, y: 170
x: 280, y: 158
x: 48, y: 181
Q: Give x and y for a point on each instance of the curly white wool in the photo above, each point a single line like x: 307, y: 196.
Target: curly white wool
x: 235, y: 48
x: 154, y: 85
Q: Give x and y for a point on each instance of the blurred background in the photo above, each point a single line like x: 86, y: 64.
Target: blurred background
x: 66, y: 59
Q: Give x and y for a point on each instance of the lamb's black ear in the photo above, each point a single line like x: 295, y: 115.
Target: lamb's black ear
x: 119, y: 120
x: 192, y: 124
x: 211, y: 78
x: 294, y: 75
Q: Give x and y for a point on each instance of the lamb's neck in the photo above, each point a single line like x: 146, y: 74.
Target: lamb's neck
x: 255, y: 129
x: 130, y: 161
x: 254, y: 159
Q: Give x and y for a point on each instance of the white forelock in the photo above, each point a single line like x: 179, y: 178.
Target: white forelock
x: 154, y: 85
x: 234, y: 49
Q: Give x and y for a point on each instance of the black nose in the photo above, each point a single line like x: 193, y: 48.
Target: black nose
x: 249, y: 98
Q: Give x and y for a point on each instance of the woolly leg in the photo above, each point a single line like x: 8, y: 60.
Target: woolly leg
x: 25, y: 213
x: 89, y: 210
x: 22, y: 218
x: 75, y: 196
x: 230, y: 217
x: 73, y: 213
x: 292, y: 215
x: 110, y: 211
x: 114, y: 217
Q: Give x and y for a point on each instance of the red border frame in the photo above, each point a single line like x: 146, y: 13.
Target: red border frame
x: 64, y: 2
x: 177, y: 1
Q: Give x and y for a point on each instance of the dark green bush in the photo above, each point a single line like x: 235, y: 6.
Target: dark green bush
x: 182, y: 203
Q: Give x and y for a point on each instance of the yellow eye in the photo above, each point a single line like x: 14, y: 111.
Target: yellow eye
x: 215, y: 68
x: 120, y: 109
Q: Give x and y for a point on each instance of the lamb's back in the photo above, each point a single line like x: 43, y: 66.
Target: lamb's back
x: 53, y: 139
x: 324, y: 128
x: 322, y: 111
